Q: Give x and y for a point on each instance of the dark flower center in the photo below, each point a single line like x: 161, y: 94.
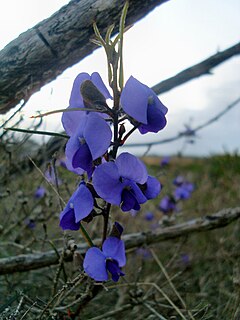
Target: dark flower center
x: 113, y: 267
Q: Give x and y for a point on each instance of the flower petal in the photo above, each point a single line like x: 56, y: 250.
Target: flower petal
x: 129, y: 201
x: 107, y: 184
x: 67, y: 219
x: 73, y: 143
x: 97, y: 81
x: 132, y: 168
x: 70, y: 120
x: 69, y: 166
x: 134, y: 99
x: 83, y: 159
x: 76, y: 100
x: 97, y: 134
x: 113, y: 267
x: 114, y: 248
x: 156, y: 120
x: 94, y: 264
x: 140, y: 197
x: 153, y: 188
x: 82, y: 202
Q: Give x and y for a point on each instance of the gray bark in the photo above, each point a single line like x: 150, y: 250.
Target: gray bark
x: 42, y: 53
x: 26, y: 262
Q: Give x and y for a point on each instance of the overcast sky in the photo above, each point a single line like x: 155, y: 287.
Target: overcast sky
x: 174, y: 36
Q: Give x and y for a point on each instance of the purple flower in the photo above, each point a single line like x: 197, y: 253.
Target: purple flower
x: 78, y: 207
x: 142, y: 104
x: 184, y: 191
x: 125, y: 182
x: 167, y: 204
x: 70, y: 120
x: 30, y: 223
x: 149, y: 216
x: 144, y: 253
x: 165, y: 161
x: 185, y: 259
x: 90, y: 141
x: 178, y: 181
x: 152, y: 188
x: 111, y: 258
x: 40, y: 192
x: 50, y: 175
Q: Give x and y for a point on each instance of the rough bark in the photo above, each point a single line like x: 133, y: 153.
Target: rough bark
x: 26, y: 262
x: 42, y: 53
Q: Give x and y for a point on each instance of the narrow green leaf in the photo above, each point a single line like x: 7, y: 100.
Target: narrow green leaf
x: 47, y: 133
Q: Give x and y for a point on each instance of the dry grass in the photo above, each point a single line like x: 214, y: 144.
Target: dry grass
x: 194, y: 277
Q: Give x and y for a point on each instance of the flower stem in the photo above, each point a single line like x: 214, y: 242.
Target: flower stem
x: 47, y: 133
x: 105, y: 221
x: 86, y: 236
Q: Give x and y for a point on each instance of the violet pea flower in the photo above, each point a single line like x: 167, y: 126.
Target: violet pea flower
x: 70, y: 120
x: 167, y: 205
x: 142, y: 104
x: 90, y: 141
x: 184, y: 191
x: 78, y: 207
x: 125, y: 182
x: 97, y: 263
x: 39, y: 192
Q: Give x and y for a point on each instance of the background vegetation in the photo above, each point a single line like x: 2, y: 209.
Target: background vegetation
x: 192, y: 277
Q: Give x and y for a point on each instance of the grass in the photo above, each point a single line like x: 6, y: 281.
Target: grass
x: 193, y: 277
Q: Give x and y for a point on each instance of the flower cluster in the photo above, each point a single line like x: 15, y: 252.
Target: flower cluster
x: 182, y: 191
x: 118, y: 180
x: 96, y: 131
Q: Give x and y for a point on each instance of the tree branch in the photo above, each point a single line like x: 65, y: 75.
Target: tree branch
x: 26, y: 262
x: 42, y: 53
x: 197, y: 70
x: 186, y: 133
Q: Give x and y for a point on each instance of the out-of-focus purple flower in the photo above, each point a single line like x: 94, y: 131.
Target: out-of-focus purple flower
x: 50, y: 176
x: 30, y: 223
x: 125, y: 182
x: 39, y: 192
x: 178, y: 181
x: 149, y: 216
x: 144, y: 253
x: 165, y: 161
x: 78, y: 207
x: 90, y: 141
x: 184, y: 191
x: 185, y: 259
x: 70, y: 120
x: 142, y: 104
x: 167, y: 205
x: 97, y: 263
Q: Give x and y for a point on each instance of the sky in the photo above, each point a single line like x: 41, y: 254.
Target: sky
x: 174, y: 36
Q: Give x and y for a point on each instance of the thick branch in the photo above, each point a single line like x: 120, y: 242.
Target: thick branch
x: 26, y: 262
x: 197, y: 70
x: 42, y: 53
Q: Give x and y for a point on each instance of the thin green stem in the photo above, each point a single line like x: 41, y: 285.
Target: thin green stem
x: 47, y: 133
x: 120, y: 44
x: 86, y: 236
x: 68, y: 110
